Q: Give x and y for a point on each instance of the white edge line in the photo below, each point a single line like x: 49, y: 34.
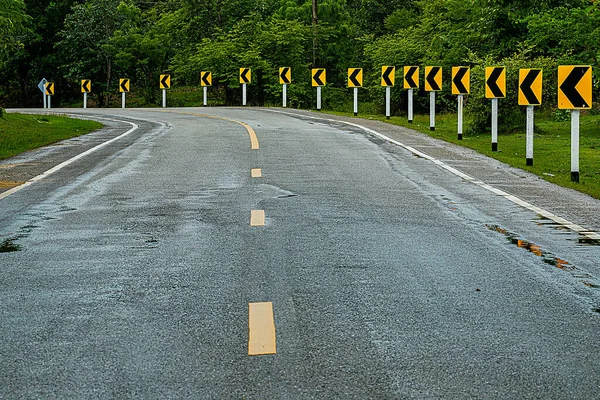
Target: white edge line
x: 514, y: 199
x: 71, y: 160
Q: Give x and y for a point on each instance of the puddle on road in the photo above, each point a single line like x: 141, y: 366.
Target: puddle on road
x: 550, y: 259
x: 8, y: 246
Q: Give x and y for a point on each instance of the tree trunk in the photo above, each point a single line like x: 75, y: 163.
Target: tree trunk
x: 315, y: 23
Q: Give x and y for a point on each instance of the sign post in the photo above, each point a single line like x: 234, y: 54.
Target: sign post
x: 355, y: 80
x: 495, y: 88
x: 123, y: 88
x: 285, y: 78
x: 164, y: 84
x: 530, y: 95
x: 388, y: 75
x: 433, y: 83
x: 205, y: 82
x: 411, y: 82
x: 49, y: 92
x: 319, y: 80
x: 42, y: 87
x: 245, y: 78
x: 461, y: 86
x: 575, y: 94
x: 86, y: 87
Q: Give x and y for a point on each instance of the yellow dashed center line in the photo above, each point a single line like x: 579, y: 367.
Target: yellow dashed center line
x: 256, y: 173
x: 261, y: 329
x: 257, y: 218
x: 253, y: 138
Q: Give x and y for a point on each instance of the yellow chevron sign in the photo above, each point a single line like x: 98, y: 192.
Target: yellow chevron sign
x: 388, y: 76
x: 124, y: 85
x: 433, y: 79
x: 285, y: 75
x: 245, y: 75
x: 49, y: 88
x: 574, y: 87
x: 355, y: 77
x: 319, y: 77
x: 86, y: 86
x: 461, y: 80
x: 411, y: 77
x: 165, y: 81
x: 495, y: 82
x: 205, y: 78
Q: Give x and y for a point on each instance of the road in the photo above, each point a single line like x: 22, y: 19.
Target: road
x: 390, y: 275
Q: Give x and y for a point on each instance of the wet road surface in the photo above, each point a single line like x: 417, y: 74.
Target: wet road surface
x: 134, y: 271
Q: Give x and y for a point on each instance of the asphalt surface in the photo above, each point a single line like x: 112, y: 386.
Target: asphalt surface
x: 390, y: 277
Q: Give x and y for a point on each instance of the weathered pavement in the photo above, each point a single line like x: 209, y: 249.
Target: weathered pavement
x: 389, y: 276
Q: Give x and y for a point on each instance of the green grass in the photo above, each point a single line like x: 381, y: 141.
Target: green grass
x: 22, y: 132
x: 552, y: 146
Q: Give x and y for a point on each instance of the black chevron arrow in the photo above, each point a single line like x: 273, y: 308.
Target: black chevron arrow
x: 204, y: 78
x: 86, y: 86
x: 430, y: 78
x: 386, y: 76
x: 317, y: 77
x: 458, y: 80
x: 409, y: 77
x: 569, y: 87
x: 50, y: 88
x: 526, y: 87
x: 164, y: 81
x: 492, y: 83
x: 124, y: 84
x: 244, y: 75
x: 353, y: 76
x: 283, y: 75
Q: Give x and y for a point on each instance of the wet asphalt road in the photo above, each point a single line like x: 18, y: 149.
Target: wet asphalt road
x: 390, y: 278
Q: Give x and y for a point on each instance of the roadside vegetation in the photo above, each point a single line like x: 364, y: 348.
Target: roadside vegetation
x: 22, y: 132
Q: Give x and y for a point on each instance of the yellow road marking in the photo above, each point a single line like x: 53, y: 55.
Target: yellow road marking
x: 257, y: 218
x: 256, y: 172
x: 261, y: 329
x: 253, y: 138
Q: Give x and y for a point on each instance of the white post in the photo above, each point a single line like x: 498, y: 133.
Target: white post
x: 410, y: 106
x: 45, y: 99
x: 388, y: 101
x: 243, y: 94
x: 49, y: 102
x: 285, y: 95
x: 460, y: 116
x: 355, y: 101
x: 432, y: 111
x: 164, y: 98
x: 494, y: 124
x: 575, y: 146
x: 123, y: 100
x: 205, y: 96
x: 85, y: 100
x: 529, y: 137
x: 318, y: 98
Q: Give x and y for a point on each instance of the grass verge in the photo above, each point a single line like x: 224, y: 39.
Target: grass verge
x: 552, y: 146
x: 22, y: 132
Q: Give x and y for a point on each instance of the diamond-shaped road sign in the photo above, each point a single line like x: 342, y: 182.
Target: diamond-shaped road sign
x: 245, y: 75
x: 388, y: 76
x: 355, y: 77
x: 42, y: 85
x: 461, y: 80
x: 49, y: 88
x: 205, y: 78
x: 433, y: 79
x: 285, y: 75
x: 411, y: 77
x: 165, y: 81
x: 86, y: 86
x: 530, y: 87
x: 319, y: 77
x: 574, y: 87
x: 495, y: 82
x: 124, y: 85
